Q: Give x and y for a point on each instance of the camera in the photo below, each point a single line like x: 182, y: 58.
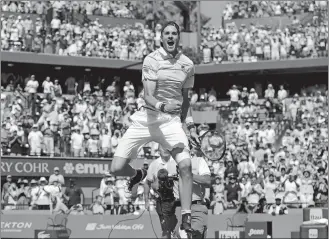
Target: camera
x: 166, y: 184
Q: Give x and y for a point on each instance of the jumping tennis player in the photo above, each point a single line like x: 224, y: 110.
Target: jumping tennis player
x: 167, y: 76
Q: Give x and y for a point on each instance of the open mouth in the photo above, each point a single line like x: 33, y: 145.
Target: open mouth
x: 171, y: 43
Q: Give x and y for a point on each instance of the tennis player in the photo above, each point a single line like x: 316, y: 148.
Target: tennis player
x: 167, y: 76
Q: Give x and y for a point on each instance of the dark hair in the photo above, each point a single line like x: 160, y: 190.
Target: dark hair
x: 170, y: 23
x: 242, y: 208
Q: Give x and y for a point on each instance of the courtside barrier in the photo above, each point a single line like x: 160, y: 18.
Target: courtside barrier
x: 310, y: 214
x: 25, y: 226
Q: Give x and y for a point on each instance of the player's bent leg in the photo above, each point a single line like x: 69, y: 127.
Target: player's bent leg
x: 185, y: 191
x: 132, y: 140
x: 120, y: 167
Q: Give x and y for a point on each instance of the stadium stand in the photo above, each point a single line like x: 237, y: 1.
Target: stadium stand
x: 57, y: 34
x: 277, y: 140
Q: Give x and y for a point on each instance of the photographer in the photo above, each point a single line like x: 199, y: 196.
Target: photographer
x: 200, y: 196
x: 166, y: 190
x: 244, y: 207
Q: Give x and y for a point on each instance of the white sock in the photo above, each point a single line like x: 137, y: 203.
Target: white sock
x: 185, y: 211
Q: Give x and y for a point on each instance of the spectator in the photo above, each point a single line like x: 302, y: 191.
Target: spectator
x: 291, y: 188
x: 5, y: 188
x: 243, y: 207
x: 282, y: 93
x: 269, y: 92
x: 231, y: 169
x: 131, y: 210
x: 31, y: 88
x: 77, y: 140
x: 270, y: 188
x: 73, y: 194
x: 306, y: 189
x: 218, y: 203
x: 255, y: 192
x: 23, y: 194
x: 35, y: 139
x: 77, y: 210
x: 11, y: 197
x: 232, y: 193
x: 48, y: 88
x: 98, y: 208
x: 108, y: 193
x: 48, y: 138
x: 106, y: 143
x: 57, y: 206
x: 278, y: 208
x: 57, y: 177
x: 261, y: 207
x: 234, y: 94
x: 40, y: 197
x: 15, y: 144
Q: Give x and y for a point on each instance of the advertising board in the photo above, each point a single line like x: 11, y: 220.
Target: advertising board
x: 258, y: 229
x: 70, y: 167
x: 98, y: 226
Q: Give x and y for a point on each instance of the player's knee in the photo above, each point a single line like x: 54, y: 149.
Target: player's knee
x: 117, y: 165
x: 185, y: 167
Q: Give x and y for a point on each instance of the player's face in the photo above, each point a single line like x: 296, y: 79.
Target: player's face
x: 170, y: 39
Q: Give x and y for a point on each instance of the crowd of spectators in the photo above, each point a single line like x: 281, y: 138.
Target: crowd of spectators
x: 277, y: 147
x: 229, y: 44
x: 257, y: 42
x: 123, y: 9
x: 54, y: 195
x: 88, y: 123
x: 257, y: 9
x: 258, y: 164
x: 261, y: 168
x: 80, y: 39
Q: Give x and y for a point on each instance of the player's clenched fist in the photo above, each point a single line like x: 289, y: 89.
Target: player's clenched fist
x: 174, y: 108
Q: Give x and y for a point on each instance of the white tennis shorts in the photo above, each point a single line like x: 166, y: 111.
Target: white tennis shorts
x: 148, y: 125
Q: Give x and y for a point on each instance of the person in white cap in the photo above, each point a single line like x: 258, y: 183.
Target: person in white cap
x: 291, y: 189
x: 41, y: 197
x: 34, y: 189
x: 278, y: 208
x: 57, y: 177
x: 35, y: 139
x: 234, y: 94
x: 108, y: 192
x: 103, y: 183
